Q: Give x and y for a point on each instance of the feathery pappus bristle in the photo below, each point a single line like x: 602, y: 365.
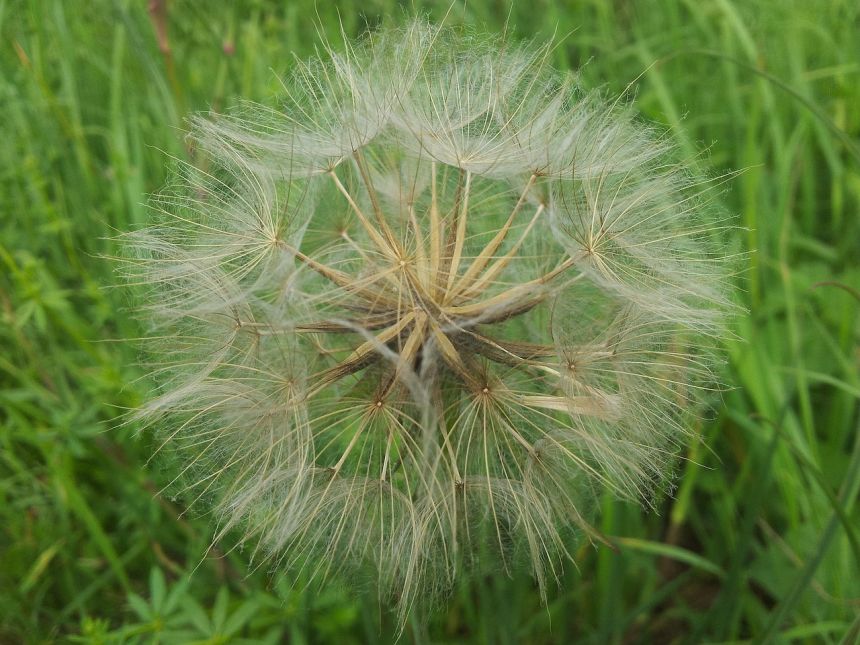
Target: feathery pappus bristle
x: 427, y: 309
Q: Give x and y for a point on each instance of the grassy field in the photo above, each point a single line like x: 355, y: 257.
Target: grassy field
x: 760, y: 541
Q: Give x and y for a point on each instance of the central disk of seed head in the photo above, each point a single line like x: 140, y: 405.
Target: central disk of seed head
x: 415, y: 276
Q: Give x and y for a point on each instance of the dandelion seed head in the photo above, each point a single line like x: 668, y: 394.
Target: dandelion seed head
x: 437, y: 300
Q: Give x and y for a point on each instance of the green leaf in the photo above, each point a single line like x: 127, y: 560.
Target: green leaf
x: 672, y: 552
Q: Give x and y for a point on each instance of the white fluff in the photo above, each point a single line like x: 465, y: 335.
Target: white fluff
x: 440, y: 299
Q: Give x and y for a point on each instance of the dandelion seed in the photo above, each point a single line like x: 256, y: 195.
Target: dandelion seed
x: 435, y: 302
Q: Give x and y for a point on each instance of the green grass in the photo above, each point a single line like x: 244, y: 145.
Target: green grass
x: 760, y: 540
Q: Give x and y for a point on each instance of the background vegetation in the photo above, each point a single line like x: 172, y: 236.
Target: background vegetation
x: 761, y: 538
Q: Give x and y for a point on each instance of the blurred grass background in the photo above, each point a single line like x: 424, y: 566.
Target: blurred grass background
x: 761, y: 541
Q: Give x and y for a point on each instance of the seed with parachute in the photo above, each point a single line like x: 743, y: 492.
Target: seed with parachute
x: 427, y: 309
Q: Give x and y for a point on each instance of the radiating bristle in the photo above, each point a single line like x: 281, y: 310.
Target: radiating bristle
x: 436, y: 302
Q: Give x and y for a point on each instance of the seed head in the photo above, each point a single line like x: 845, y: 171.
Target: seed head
x: 427, y: 308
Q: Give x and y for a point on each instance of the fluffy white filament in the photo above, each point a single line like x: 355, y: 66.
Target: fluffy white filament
x: 426, y: 309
